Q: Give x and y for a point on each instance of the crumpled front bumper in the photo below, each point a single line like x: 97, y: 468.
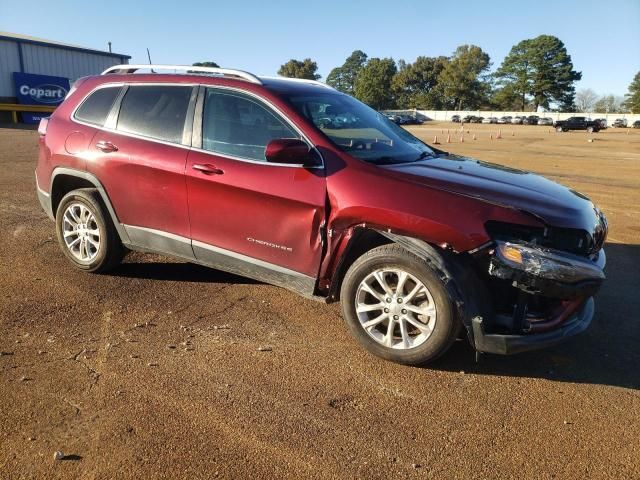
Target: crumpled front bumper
x: 566, y: 280
x: 508, y: 344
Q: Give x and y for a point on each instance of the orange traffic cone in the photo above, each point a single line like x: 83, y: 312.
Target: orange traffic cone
x: 474, y: 136
x: 461, y: 138
x: 448, y: 138
x: 499, y: 136
x: 435, y: 140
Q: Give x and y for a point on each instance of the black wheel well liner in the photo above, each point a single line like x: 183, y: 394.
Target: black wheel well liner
x: 362, y: 240
x: 63, y: 184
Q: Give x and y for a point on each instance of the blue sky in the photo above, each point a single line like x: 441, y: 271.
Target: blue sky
x: 603, y: 37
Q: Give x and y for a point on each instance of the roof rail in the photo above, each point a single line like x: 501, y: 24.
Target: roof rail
x: 299, y: 80
x: 225, y: 72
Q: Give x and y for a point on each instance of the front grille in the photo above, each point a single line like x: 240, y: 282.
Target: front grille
x: 568, y: 240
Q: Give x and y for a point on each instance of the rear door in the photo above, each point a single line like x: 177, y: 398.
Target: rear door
x: 263, y: 219
x: 140, y: 159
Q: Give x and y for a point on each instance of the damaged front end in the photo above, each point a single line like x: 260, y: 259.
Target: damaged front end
x: 540, y: 294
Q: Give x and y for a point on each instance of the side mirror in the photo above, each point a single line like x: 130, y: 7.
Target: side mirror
x: 289, y: 150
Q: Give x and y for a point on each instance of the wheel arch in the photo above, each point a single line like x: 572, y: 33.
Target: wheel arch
x: 363, y: 238
x: 454, y: 269
x: 65, y: 180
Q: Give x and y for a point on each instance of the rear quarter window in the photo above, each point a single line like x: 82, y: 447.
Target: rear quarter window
x: 96, y: 106
x: 155, y: 111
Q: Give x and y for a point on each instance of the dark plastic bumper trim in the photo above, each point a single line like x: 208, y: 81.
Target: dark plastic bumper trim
x: 509, y: 344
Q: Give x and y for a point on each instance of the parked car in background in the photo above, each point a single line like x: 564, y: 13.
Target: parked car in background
x: 468, y: 119
x: 410, y: 120
x: 602, y: 122
x: 477, y: 119
x: 505, y: 119
x: 394, y: 118
x: 636, y: 124
x: 490, y: 120
x: 530, y: 120
x: 620, y: 123
x: 517, y: 120
x: 545, y: 121
x: 455, y: 118
x: 577, y: 123
x: 240, y: 173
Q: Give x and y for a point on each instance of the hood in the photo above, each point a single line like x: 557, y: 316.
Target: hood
x: 554, y: 204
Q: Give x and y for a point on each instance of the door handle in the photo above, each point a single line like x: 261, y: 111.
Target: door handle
x: 207, y: 169
x: 106, y: 147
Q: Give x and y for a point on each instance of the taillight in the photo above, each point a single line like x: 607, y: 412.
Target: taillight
x: 42, y: 127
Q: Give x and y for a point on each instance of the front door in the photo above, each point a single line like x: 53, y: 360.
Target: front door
x: 260, y: 219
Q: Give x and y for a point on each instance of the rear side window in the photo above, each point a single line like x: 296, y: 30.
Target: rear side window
x: 235, y: 124
x: 155, y: 111
x: 96, y: 107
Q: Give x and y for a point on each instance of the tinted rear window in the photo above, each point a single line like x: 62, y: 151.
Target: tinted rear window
x: 155, y: 111
x: 96, y: 107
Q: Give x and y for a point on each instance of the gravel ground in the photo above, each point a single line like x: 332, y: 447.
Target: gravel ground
x: 163, y: 369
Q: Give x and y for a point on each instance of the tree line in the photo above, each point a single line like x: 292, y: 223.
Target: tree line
x: 537, y: 72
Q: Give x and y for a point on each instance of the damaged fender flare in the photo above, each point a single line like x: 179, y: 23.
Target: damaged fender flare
x: 459, y: 279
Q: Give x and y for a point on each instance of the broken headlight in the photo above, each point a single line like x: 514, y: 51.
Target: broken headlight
x: 542, y: 262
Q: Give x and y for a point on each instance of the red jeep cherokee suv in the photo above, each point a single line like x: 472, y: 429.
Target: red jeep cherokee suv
x: 298, y: 185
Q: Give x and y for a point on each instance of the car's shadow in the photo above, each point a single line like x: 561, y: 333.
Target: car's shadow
x: 608, y: 353
x: 177, y: 272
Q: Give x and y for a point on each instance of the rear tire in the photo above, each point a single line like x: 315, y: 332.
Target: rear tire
x: 86, y: 233
x: 388, y: 321
x: 590, y: 129
x: 559, y: 129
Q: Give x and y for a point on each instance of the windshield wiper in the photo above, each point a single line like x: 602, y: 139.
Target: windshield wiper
x: 387, y: 159
x: 423, y: 155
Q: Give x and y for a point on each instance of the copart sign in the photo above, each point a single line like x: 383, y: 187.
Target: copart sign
x: 34, y: 89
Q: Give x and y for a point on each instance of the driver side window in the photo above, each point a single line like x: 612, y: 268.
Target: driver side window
x: 237, y: 125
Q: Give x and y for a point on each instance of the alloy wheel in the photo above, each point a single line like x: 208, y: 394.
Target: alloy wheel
x: 395, y: 308
x: 80, y: 232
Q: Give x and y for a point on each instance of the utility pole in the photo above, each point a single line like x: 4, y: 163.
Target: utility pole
x: 109, y: 47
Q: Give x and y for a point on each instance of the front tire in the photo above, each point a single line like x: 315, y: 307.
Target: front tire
x: 559, y: 129
x: 397, y: 307
x: 86, y: 233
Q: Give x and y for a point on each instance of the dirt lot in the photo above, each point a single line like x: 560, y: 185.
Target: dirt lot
x: 154, y: 371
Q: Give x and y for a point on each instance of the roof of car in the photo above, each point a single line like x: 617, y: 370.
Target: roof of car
x: 276, y: 84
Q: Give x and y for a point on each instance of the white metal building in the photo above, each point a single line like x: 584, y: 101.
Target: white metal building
x: 22, y: 53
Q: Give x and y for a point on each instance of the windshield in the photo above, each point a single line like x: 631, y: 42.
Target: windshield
x: 359, y: 130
